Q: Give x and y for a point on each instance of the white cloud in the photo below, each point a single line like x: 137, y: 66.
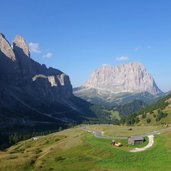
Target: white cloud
x: 34, y: 47
x: 48, y: 55
x: 122, y: 58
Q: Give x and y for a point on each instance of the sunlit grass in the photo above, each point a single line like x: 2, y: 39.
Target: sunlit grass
x: 124, y: 131
x: 74, y: 149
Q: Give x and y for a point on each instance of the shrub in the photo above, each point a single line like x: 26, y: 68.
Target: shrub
x: 137, y: 120
x: 144, y: 116
x: 148, y: 120
x: 59, y: 158
x: 32, y: 161
x: 37, y: 151
x: 161, y: 115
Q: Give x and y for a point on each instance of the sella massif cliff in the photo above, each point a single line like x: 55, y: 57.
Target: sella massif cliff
x: 33, y: 96
x: 119, y: 84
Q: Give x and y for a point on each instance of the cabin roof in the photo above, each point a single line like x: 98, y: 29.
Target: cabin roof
x: 137, y: 138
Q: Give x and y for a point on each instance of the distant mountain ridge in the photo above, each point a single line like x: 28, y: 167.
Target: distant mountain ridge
x: 110, y: 83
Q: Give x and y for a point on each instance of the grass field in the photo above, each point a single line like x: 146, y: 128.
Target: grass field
x: 123, y: 131
x: 74, y: 149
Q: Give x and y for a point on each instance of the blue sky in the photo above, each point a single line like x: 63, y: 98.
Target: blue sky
x: 77, y: 36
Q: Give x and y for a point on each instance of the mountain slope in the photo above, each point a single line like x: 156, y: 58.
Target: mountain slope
x: 33, y: 96
x: 75, y: 149
x: 114, y: 84
x: 158, y: 113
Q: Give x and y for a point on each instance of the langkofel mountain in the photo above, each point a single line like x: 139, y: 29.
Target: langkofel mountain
x: 123, y: 83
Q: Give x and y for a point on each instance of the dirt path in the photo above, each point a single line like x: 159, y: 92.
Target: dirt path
x: 150, y: 144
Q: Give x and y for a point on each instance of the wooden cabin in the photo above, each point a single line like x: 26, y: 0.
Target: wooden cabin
x: 135, y: 140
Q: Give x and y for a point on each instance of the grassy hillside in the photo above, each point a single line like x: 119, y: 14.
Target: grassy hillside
x: 123, y: 131
x: 113, y: 114
x: 75, y: 149
x: 25, y: 120
x: 158, y: 113
x: 105, y: 115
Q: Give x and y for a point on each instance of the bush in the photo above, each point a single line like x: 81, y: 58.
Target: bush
x: 161, y: 115
x: 37, y: 151
x: 148, y: 120
x: 59, y: 158
x: 144, y: 116
x: 32, y: 161
x: 137, y: 120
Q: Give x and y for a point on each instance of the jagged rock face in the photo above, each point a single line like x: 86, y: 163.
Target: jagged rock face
x: 6, y: 48
x: 21, y: 46
x: 23, y: 60
x: 33, y: 96
x: 18, y: 70
x: 60, y: 84
x: 8, y: 66
x: 126, y: 78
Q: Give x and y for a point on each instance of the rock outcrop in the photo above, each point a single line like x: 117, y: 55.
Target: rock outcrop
x: 20, y: 46
x: 6, y: 48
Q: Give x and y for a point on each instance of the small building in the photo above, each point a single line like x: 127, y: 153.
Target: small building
x: 37, y: 137
x: 135, y: 140
x: 116, y: 143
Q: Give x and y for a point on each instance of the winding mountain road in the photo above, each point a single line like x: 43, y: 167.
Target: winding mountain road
x: 150, y: 135
x: 99, y: 134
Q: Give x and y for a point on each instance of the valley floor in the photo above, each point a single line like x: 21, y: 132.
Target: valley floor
x: 75, y: 149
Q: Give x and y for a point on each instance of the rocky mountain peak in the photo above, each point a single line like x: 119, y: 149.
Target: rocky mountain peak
x: 20, y: 46
x: 6, y: 48
x: 1, y: 35
x: 125, y: 78
x: 24, y: 71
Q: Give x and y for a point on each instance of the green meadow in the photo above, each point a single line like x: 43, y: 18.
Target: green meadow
x: 74, y: 149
